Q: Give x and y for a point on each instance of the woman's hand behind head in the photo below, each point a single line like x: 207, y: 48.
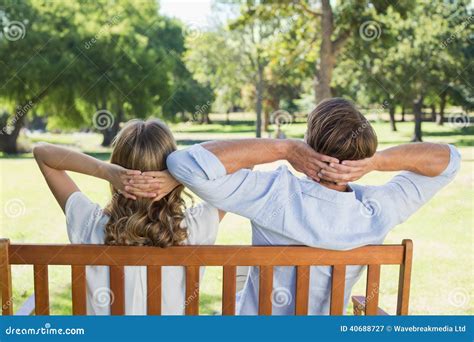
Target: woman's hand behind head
x: 120, y: 177
x: 158, y: 183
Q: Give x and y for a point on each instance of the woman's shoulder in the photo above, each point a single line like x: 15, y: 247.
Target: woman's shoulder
x: 85, y: 219
x: 202, y: 223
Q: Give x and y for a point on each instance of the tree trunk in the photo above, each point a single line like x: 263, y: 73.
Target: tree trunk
x: 266, y: 120
x: 417, y: 111
x: 259, y: 104
x: 8, y: 140
x: 205, y: 119
x: 442, y: 106
x: 8, y: 143
x: 110, y: 132
x: 323, y: 72
x: 227, y: 117
x: 391, y: 112
x: 403, y: 113
x: 433, y: 112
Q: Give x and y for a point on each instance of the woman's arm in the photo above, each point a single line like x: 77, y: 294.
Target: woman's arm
x: 54, y: 161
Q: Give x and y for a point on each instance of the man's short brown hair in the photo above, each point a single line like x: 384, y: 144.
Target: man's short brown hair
x: 336, y: 128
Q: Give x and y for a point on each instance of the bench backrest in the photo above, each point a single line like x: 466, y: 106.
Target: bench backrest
x: 192, y: 257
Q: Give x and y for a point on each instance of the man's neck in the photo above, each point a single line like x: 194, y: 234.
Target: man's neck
x: 332, y: 186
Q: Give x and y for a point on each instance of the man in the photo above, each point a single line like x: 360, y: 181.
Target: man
x: 323, y: 210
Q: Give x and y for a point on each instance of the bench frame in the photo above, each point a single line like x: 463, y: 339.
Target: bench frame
x: 192, y: 257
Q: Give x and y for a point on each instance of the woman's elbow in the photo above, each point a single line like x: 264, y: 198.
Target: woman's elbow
x: 39, y: 149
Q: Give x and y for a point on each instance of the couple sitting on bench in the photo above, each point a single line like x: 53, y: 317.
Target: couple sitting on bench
x: 148, y: 176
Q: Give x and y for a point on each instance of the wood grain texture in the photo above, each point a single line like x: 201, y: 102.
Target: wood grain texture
x: 79, y: 297
x: 302, y: 290
x: 154, y: 290
x: 265, y: 290
x: 405, y: 279
x: 5, y: 278
x: 338, y: 283
x: 41, y: 289
x: 229, y: 288
x: 202, y: 255
x: 117, y: 290
x: 192, y: 291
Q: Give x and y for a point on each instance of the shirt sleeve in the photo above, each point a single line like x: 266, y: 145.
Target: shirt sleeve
x: 405, y: 193
x: 244, y: 192
x: 81, y: 213
x: 202, y: 222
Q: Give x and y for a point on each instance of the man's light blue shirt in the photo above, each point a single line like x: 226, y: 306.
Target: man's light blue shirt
x: 287, y: 210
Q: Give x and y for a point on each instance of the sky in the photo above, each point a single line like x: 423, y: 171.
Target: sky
x: 193, y: 12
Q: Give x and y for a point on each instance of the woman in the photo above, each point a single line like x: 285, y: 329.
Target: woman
x: 142, y: 219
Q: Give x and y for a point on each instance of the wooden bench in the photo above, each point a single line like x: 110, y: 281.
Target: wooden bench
x: 192, y: 257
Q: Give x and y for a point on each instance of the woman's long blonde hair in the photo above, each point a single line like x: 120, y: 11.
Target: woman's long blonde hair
x: 144, y: 145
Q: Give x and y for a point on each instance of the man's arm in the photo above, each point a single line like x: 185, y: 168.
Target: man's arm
x: 216, y: 172
x: 245, y: 153
x: 426, y: 159
x: 427, y: 168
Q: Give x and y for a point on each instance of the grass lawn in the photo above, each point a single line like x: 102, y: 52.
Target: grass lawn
x: 442, y: 231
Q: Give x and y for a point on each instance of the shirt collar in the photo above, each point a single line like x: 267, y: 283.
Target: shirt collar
x: 315, y: 189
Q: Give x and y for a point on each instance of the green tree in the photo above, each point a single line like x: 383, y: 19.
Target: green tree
x: 36, y: 61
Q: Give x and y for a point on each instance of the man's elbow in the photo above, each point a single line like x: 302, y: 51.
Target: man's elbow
x: 449, y: 161
x: 179, y: 164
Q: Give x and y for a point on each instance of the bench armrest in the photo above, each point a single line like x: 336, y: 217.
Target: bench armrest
x: 359, y: 307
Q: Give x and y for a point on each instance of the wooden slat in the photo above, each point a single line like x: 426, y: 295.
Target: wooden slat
x: 154, y: 290
x: 117, y: 290
x: 41, y: 289
x: 404, y: 279
x: 192, y: 290
x: 372, y: 290
x: 5, y: 278
x: 359, y: 306
x: 302, y: 290
x: 202, y: 255
x: 337, y: 289
x: 265, y: 290
x: 78, y: 281
x: 229, y: 288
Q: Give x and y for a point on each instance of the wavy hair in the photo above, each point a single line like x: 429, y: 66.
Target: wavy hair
x: 144, y: 145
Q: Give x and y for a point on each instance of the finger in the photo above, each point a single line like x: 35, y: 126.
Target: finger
x: 127, y: 195
x: 328, y: 179
x: 354, y: 163
x: 132, y: 172
x: 144, y: 181
x: 314, y: 175
x: 156, y: 174
x: 142, y: 177
x: 344, y: 168
x: 142, y: 187
x: 323, y: 165
x: 144, y: 194
x: 327, y: 159
x: 335, y: 176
